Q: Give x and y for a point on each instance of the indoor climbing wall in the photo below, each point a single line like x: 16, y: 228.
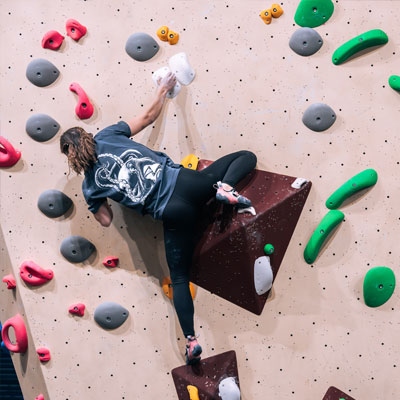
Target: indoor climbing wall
x: 250, y: 91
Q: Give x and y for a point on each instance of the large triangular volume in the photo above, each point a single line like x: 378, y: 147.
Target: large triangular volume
x: 206, y: 375
x: 230, y: 244
x: 336, y: 394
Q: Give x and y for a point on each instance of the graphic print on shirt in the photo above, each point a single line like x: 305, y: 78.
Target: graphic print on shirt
x: 130, y: 174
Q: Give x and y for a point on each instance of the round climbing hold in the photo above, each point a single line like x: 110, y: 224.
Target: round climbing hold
x: 41, y: 127
x: 312, y: 13
x: 266, y: 15
x: 268, y: 249
x: 168, y: 290
x: 162, y: 33
x: 52, y: 40
x: 110, y: 315
x: 75, y: 30
x: 54, y: 203
x: 319, y: 117
x: 141, y: 46
x: 173, y: 37
x: 41, y: 72
x: 379, y: 284
x: 305, y: 41
x: 394, y: 82
x: 76, y: 249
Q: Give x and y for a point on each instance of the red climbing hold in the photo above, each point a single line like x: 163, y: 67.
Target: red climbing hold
x: 8, y: 155
x: 44, y: 354
x: 74, y: 29
x: 84, y: 108
x: 33, y: 274
x: 10, y: 280
x: 111, y: 261
x: 77, y: 309
x: 52, y: 40
x: 21, y: 338
x: 40, y: 397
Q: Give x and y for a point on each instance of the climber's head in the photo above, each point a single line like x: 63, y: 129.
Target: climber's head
x: 79, y: 146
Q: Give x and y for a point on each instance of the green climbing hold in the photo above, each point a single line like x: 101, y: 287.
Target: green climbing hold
x: 379, y: 284
x: 394, y: 82
x: 360, y: 181
x: 312, y: 13
x: 368, y: 39
x: 268, y: 249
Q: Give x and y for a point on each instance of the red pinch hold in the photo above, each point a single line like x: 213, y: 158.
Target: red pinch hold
x: 21, y: 337
x: 77, y: 309
x: 84, y: 108
x: 74, y: 29
x: 52, y: 40
x: 8, y: 155
x: 34, y: 275
x: 40, y: 397
x: 44, y: 354
x: 10, y: 280
x: 111, y: 261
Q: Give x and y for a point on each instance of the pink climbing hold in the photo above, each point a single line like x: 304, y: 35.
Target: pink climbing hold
x: 34, y: 275
x: 52, y: 40
x: 40, y: 397
x: 77, y: 309
x: 8, y: 155
x: 44, y: 354
x: 21, y: 337
x: 111, y: 261
x: 84, y: 108
x: 10, y: 280
x: 74, y: 29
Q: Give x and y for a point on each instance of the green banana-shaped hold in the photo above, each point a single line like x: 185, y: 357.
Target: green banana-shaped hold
x: 325, y: 227
x: 360, y: 42
x: 358, y: 182
x: 394, y: 82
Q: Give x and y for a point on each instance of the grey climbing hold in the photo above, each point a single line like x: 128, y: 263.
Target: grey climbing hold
x: 41, y: 72
x: 76, y: 248
x: 41, y: 127
x: 319, y: 117
x: 228, y: 389
x: 141, y: 46
x: 54, y: 203
x: 110, y: 315
x: 305, y: 41
x: 263, y: 275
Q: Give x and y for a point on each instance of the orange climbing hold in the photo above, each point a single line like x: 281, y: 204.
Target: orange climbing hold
x: 190, y: 161
x: 162, y: 33
x: 10, y: 280
x: 277, y: 10
x: 266, y: 15
x: 173, y: 37
x: 167, y: 288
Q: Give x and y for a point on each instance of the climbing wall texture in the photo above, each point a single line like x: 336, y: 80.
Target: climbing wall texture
x: 250, y: 92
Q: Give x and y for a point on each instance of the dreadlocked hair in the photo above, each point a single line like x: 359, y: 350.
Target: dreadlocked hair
x: 79, y: 147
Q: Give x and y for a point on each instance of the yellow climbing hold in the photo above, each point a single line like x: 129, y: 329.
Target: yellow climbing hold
x: 193, y: 392
x: 266, y: 15
x: 276, y: 10
x: 190, y: 161
x: 168, y: 291
x: 173, y: 37
x: 162, y: 33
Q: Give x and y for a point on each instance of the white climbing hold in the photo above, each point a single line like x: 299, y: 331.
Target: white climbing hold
x: 180, y: 66
x: 228, y: 389
x: 160, y: 73
x: 250, y: 210
x: 263, y: 275
x: 298, y: 183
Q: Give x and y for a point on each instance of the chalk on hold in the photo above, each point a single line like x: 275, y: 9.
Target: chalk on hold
x: 110, y: 315
x: 21, y: 337
x: 173, y: 37
x: 190, y: 162
x: 228, y: 389
x: 276, y: 10
x: 75, y: 30
x: 10, y: 280
x: 313, y: 13
x: 33, y: 274
x: 110, y: 261
x: 394, y: 82
x: 52, y: 40
x: 160, y: 73
x: 319, y: 117
x: 269, y: 249
x: 141, y: 46
x: 168, y: 290
x: 54, y: 203
x: 305, y: 41
x: 84, y: 108
x: 266, y: 15
x: 41, y: 127
x: 44, y: 354
x: 8, y: 155
x: 193, y: 392
x: 263, y: 275
x: 76, y: 248
x: 41, y: 72
x: 180, y: 66
x: 162, y: 33
x: 77, y: 309
x: 379, y: 284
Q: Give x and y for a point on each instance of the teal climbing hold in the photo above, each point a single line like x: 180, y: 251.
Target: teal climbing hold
x: 394, y: 82
x: 379, y: 284
x: 268, y: 249
x: 312, y: 13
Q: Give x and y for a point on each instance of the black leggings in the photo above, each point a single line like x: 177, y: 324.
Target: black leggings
x: 192, y: 191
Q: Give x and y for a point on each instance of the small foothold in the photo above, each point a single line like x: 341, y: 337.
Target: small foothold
x: 179, y: 65
x: 52, y: 40
x: 33, y: 274
x: 173, y: 37
x: 111, y: 261
x: 193, y: 392
x: 268, y: 249
x: 76, y: 248
x: 319, y: 117
x: 77, y: 309
x: 305, y: 41
x: 263, y: 275
x: 41, y: 127
x: 141, y: 46
x: 84, y: 108
x: 10, y: 280
x: 190, y: 162
x: 266, y: 15
x: 168, y: 290
x: 162, y: 33
x: 8, y: 155
x: 54, y: 203
x: 21, y: 337
x: 276, y: 10
x: 394, y: 82
x: 379, y: 284
x: 299, y: 183
x: 40, y: 397
x: 75, y: 30
x: 44, y: 354
x: 228, y: 389
x: 250, y: 210
x: 41, y: 72
x: 160, y: 73
x: 110, y: 315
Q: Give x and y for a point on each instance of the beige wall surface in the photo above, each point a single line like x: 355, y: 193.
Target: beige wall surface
x: 250, y: 92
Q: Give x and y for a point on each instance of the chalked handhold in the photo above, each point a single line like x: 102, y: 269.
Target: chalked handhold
x: 173, y: 37
x: 84, y: 108
x: 21, y: 336
x: 266, y: 15
x: 33, y: 274
x: 276, y: 10
x: 110, y: 315
x: 10, y: 280
x: 41, y: 127
x: 180, y: 66
x: 141, y: 46
x: 76, y: 248
x: 77, y: 309
x: 75, y: 30
x: 263, y: 275
x: 41, y: 72
x: 8, y: 155
x: 52, y: 40
x: 371, y: 38
x: 54, y: 203
x: 379, y: 284
x: 313, y: 13
x: 162, y: 33
x: 228, y: 389
x: 305, y: 41
x: 160, y: 73
x: 394, y: 82
x: 268, y: 249
x: 44, y: 354
x: 319, y: 117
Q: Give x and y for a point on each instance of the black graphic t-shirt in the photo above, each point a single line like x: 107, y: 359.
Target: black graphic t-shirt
x: 129, y: 173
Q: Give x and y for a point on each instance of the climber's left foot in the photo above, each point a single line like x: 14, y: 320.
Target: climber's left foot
x: 226, y: 194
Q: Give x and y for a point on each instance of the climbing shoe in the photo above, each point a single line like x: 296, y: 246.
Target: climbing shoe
x: 193, y: 350
x: 230, y: 196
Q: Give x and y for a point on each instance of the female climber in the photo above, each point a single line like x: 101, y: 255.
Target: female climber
x: 148, y: 181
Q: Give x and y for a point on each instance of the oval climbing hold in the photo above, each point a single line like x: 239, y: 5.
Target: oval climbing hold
x: 168, y: 290
x: 111, y: 261
x: 269, y: 249
x: 160, y: 73
x: 21, y: 337
x: 77, y: 309
x: 229, y: 389
x: 162, y: 33
x: 173, y: 37
x: 33, y: 274
x: 371, y: 38
x: 319, y: 117
x: 8, y: 155
x: 193, y: 392
x: 75, y: 30
x: 76, y: 248
x: 263, y: 275
x: 110, y: 315
x: 44, y: 354
x: 190, y: 162
x: 312, y: 13
x: 84, y: 108
x: 266, y: 15
x: 54, y: 203
x: 325, y: 227
x: 363, y: 180
x: 179, y: 65
x: 379, y: 284
x: 394, y: 82
x: 41, y: 72
x: 52, y: 40
x: 141, y: 46
x: 305, y: 41
x: 10, y: 280
x: 41, y: 127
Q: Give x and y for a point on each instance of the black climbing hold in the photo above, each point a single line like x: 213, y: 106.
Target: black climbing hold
x: 110, y: 315
x: 41, y: 72
x: 76, y: 249
x: 41, y: 127
x: 54, y: 203
x: 141, y: 46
